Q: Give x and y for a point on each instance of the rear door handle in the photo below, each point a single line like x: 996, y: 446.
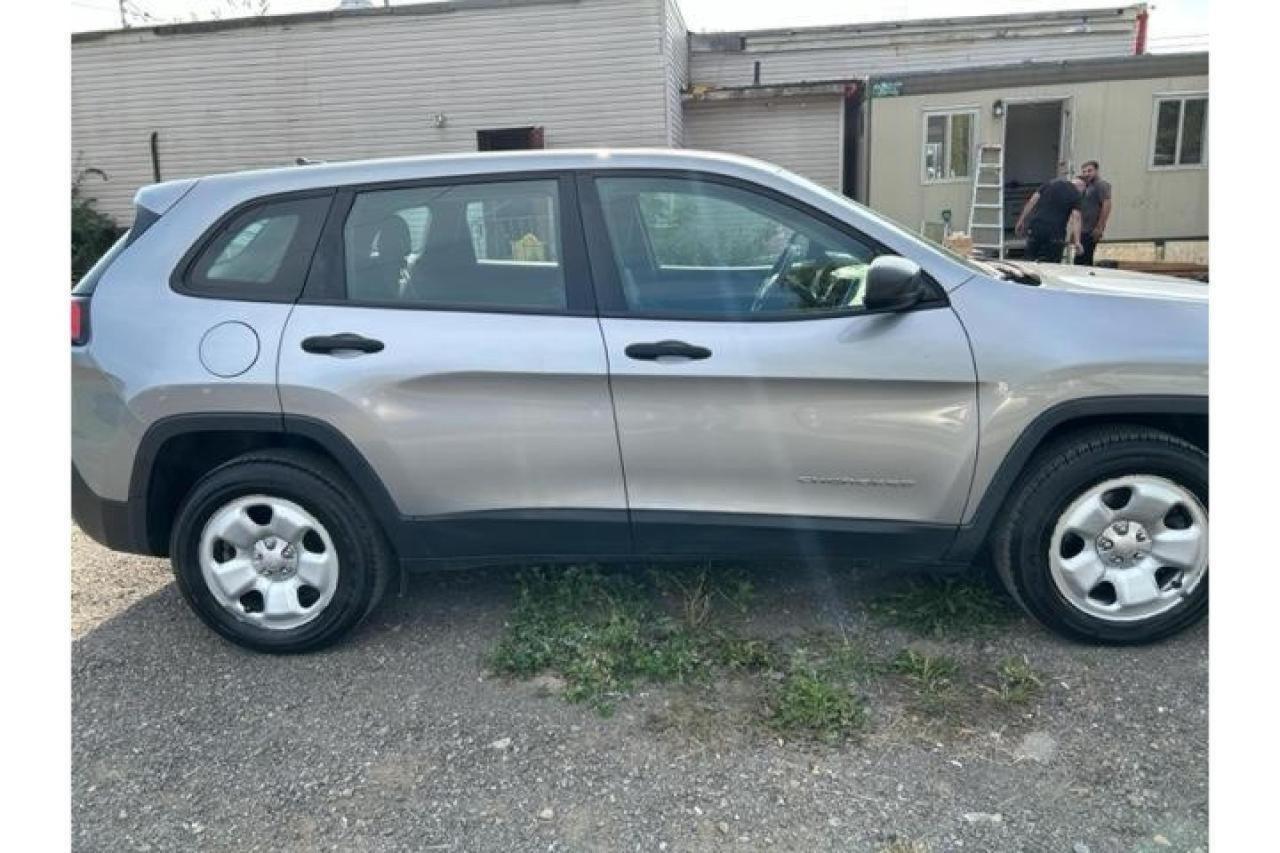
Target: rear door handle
x: 346, y: 341
x: 667, y: 349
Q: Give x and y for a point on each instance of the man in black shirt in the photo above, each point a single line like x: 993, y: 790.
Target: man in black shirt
x: 1051, y: 217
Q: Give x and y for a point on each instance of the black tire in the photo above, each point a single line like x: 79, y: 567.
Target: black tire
x: 1053, y: 479
x: 319, y: 487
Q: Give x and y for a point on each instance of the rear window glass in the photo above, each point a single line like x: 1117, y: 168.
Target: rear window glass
x: 262, y: 253
x: 486, y: 245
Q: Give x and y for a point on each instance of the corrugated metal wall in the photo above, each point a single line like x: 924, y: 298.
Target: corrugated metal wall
x: 846, y: 53
x: 800, y: 134
x: 592, y: 72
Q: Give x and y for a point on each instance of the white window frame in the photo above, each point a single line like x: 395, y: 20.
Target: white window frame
x: 1181, y: 98
x: 950, y: 113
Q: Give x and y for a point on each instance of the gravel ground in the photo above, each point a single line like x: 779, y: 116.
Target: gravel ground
x: 399, y: 740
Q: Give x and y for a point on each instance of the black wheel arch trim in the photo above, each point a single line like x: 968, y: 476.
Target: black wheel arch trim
x: 105, y: 521
x: 971, y: 537
x: 399, y: 528
x: 343, y: 453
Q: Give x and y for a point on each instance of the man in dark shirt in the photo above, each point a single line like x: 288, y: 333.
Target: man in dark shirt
x: 1050, y: 217
x: 1095, y: 210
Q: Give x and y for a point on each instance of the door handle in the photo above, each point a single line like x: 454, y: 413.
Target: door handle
x: 667, y: 349
x: 337, y: 343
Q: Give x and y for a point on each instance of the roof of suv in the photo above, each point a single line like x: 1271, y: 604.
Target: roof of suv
x: 233, y: 187
x: 401, y: 168
x: 219, y: 193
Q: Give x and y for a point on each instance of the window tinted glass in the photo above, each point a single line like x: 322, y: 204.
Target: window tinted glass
x: 688, y: 229
x: 468, y: 245
x: 688, y: 247
x: 262, y: 253
x: 256, y: 252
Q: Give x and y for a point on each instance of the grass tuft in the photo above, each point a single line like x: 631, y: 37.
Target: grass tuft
x: 697, y: 593
x: 813, y: 702
x: 944, y: 608
x: 930, y: 673
x: 742, y: 654
x: 932, y: 678
x: 600, y: 632
x: 1017, y: 682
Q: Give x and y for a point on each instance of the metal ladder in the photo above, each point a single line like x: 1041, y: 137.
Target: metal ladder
x: 986, y: 212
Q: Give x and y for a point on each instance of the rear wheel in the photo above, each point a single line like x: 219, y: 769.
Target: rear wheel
x: 1106, y: 537
x: 274, y: 552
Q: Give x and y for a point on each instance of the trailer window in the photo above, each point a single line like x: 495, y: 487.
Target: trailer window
x: 948, y: 145
x: 1180, y: 131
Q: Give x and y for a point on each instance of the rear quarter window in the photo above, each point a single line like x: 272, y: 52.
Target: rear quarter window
x: 260, y: 253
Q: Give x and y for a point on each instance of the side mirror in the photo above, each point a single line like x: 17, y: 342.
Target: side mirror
x: 893, y: 284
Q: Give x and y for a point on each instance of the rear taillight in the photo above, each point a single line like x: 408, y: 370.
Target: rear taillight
x: 79, y: 321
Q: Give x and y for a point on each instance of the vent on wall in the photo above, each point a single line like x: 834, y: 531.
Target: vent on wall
x: 509, y: 139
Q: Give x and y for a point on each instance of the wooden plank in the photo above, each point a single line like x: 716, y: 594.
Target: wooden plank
x: 1199, y: 272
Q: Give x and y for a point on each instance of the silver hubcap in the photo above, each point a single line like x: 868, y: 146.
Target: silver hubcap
x: 1130, y: 548
x: 269, y: 562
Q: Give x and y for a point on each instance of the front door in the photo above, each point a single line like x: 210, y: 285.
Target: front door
x: 759, y: 408
x: 448, y: 331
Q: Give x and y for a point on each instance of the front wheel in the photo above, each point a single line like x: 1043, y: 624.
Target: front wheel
x: 274, y: 551
x: 1106, y: 537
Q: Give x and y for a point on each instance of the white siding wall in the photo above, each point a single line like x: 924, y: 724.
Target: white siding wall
x: 799, y: 134
x: 859, y: 52
x: 676, y: 48
x: 592, y: 72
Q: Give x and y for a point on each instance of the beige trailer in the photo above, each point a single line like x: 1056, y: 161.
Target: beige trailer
x: 1144, y: 118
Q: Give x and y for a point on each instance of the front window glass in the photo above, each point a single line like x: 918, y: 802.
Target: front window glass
x: 700, y: 248
x: 900, y: 231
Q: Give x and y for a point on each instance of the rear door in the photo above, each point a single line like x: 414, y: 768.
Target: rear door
x: 760, y: 407
x: 448, y: 331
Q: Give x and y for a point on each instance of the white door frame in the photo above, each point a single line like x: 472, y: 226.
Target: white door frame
x: 1066, y: 122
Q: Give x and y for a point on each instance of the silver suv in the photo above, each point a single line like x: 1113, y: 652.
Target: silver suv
x: 300, y: 383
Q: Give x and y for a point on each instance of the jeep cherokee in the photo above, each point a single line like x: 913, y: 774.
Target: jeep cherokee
x: 300, y: 383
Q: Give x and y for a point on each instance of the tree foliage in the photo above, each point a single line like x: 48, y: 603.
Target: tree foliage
x: 92, y: 231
